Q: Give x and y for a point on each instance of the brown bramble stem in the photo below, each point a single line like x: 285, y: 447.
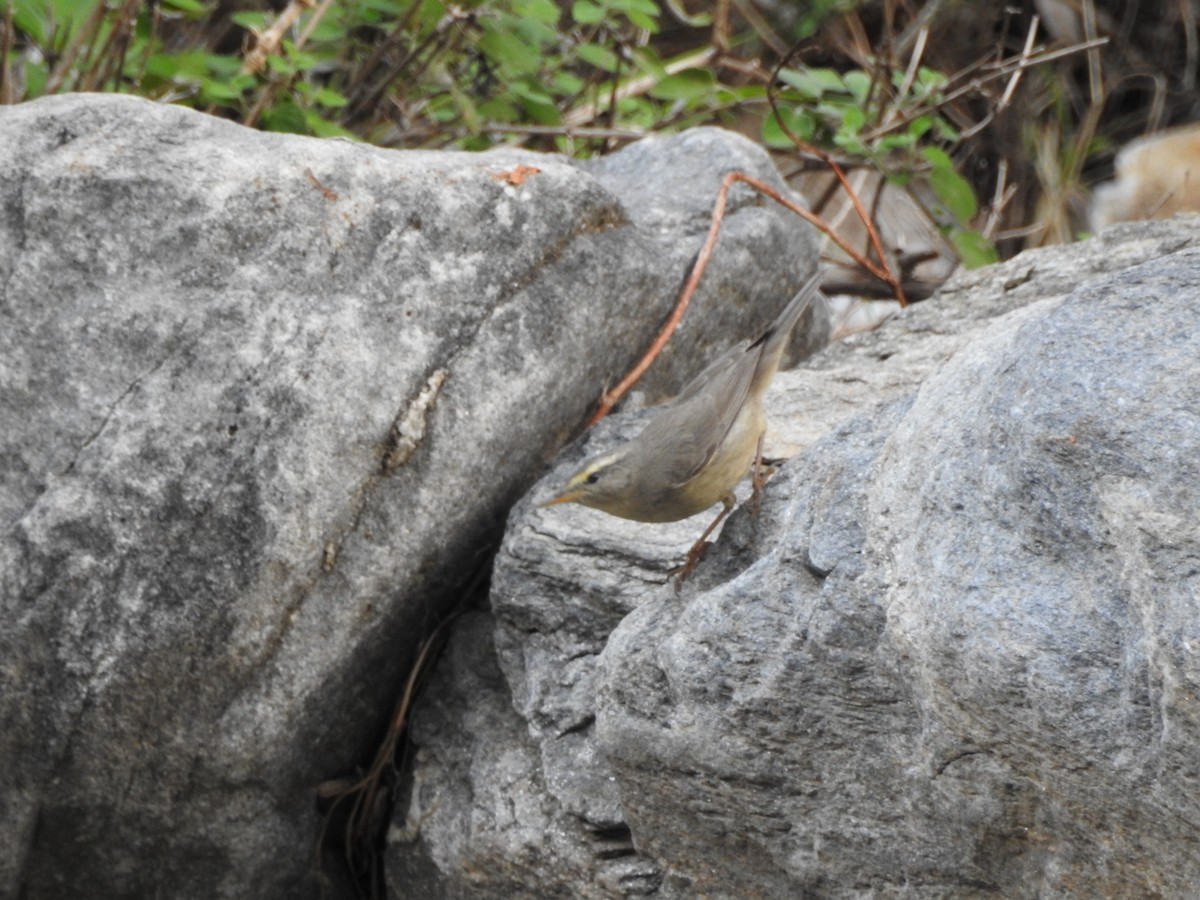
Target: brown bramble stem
x: 610, y: 397
x: 885, y: 271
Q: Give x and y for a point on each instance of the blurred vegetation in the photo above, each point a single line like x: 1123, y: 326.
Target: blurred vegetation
x: 994, y: 118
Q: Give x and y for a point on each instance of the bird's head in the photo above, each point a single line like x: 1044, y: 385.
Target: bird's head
x: 603, y: 483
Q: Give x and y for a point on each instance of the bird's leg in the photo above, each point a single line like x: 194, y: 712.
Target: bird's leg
x: 698, y: 548
x: 758, y: 477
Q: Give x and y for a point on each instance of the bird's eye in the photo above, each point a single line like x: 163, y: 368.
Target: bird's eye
x: 592, y: 478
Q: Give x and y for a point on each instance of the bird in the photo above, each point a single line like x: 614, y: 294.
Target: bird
x: 696, y: 447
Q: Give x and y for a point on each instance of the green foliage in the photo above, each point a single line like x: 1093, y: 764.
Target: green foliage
x: 973, y: 248
x: 455, y: 74
x: 889, y: 121
x: 426, y: 73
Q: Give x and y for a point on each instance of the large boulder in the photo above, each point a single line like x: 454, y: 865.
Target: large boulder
x: 266, y: 401
x: 955, y: 654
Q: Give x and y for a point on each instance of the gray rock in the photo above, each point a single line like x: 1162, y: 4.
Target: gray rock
x: 532, y: 845
x: 893, y: 361
x: 266, y: 402
x: 954, y: 655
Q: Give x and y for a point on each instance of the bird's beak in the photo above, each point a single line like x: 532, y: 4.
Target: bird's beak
x: 565, y: 497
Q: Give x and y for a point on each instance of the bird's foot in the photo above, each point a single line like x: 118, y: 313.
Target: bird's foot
x: 680, y: 573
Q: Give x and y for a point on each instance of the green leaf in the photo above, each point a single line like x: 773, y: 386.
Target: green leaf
x: 733, y: 94
x: 944, y: 131
x: 931, y: 79
x: 536, y: 102
x: 301, y: 60
x: 847, y: 131
x: 36, y: 75
x: 690, y: 84
x: 973, y: 248
x: 920, y: 125
x: 285, y: 116
x: 280, y: 65
x: 328, y: 32
x: 219, y: 91
x: 444, y: 109
x: 692, y: 20
x: 645, y: 7
x: 544, y: 11
x: 858, y: 83
x: 178, y: 67
x: 643, y: 21
x: 322, y: 127
x: 395, y: 8
x: 221, y: 65
x: 330, y: 98
x: 30, y: 17
x: 638, y: 111
x: 255, y: 21
x: 891, y: 142
x: 600, y: 57
x: 508, y: 51
x: 567, y: 83
x: 798, y: 121
x: 475, y: 142
x: 161, y: 66
x: 586, y: 13
x: 951, y: 188
x: 533, y: 32
x: 498, y: 110
x: 937, y: 158
x: 532, y: 91
x: 143, y: 29
x: 648, y: 62
x: 468, y: 114
x: 193, y: 7
x: 813, y: 83
x: 850, y: 142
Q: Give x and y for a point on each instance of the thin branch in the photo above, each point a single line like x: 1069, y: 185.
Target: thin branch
x: 764, y: 31
x: 914, y: 63
x: 720, y: 29
x: 108, y: 65
x: 1091, y: 31
x: 638, y: 86
x: 996, y: 108
x: 610, y: 398
x: 1026, y: 51
x: 1000, y: 198
x: 268, y: 42
x: 87, y: 35
x: 363, y: 793
x: 394, y: 39
x: 313, y: 21
x: 370, y: 782
x: 1003, y: 70
x: 1187, y: 13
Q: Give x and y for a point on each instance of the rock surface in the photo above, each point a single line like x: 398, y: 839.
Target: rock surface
x: 955, y: 655
x: 266, y: 402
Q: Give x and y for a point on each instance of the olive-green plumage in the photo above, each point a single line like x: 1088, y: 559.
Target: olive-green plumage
x: 698, y: 446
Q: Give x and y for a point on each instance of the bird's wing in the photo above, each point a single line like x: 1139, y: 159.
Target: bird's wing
x: 698, y: 420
